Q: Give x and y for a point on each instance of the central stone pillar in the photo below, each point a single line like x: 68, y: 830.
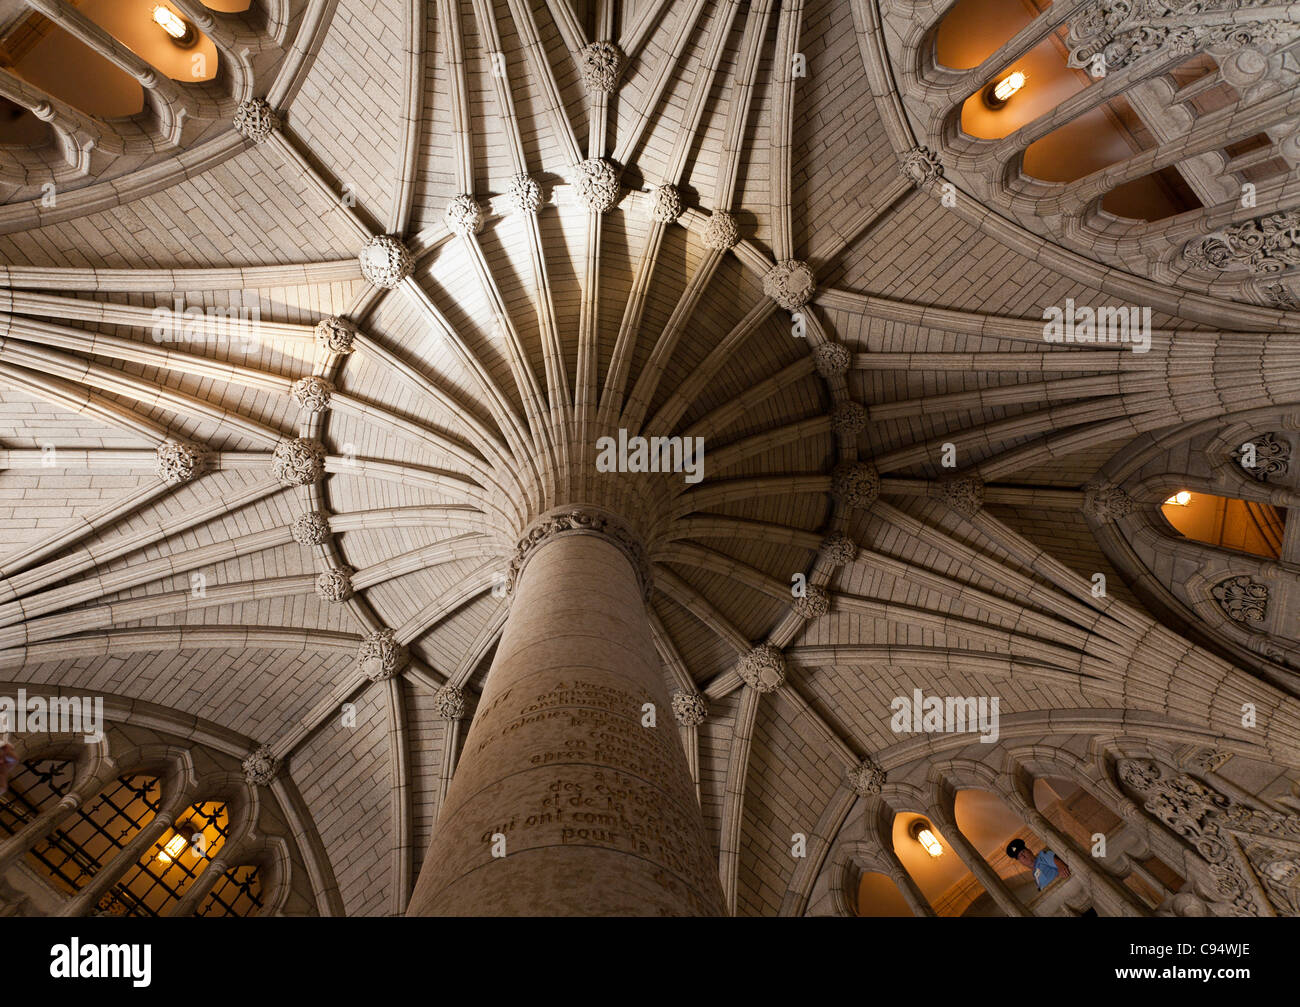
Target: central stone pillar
x: 595, y: 811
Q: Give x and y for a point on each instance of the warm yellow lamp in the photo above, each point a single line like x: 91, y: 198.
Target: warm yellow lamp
x: 1180, y: 499
x: 177, y: 29
x: 998, y: 94
x: 922, y: 833
x: 185, y: 833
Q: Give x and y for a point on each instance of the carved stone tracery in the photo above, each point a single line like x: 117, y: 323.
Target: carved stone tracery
x: 1242, y: 599
x: 1235, y: 841
x: 1263, y: 246
x: 1272, y: 453
x: 1122, y: 32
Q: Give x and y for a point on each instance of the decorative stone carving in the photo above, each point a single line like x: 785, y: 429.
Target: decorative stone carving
x: 1210, y: 760
x: 690, y: 708
x: 665, y: 204
x: 721, y: 232
x: 838, y: 549
x: 463, y: 215
x: 256, y: 119
x: 298, y: 461
x: 763, y: 668
x: 449, y: 702
x: 1265, y: 245
x: 525, y: 194
x: 335, y: 334
x: 1281, y: 296
x: 312, y: 393
x: 582, y: 521
x: 866, y: 778
x: 261, y: 768
x: 1272, y: 457
x: 815, y: 603
x: 920, y: 165
x: 1124, y: 31
x: 1182, y: 904
x: 180, y: 461
x: 848, y: 419
x: 596, y: 184
x: 790, y: 283
x: 380, y: 656
x: 832, y: 359
x: 1104, y: 502
x: 855, y: 484
x: 1242, y: 599
x: 310, y: 528
x: 335, y: 584
x: 1217, y: 826
x: 385, y: 261
x: 964, y: 494
x: 601, y: 66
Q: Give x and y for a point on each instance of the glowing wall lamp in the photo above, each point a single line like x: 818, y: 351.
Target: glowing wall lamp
x: 921, y: 832
x: 998, y: 94
x: 1180, y: 499
x: 177, y: 29
x: 185, y: 833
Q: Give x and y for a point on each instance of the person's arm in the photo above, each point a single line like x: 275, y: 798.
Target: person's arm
x: 1062, y: 868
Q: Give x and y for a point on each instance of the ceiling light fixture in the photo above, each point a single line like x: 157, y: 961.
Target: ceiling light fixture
x: 177, y: 29
x: 185, y: 833
x: 997, y: 95
x: 922, y: 833
x: 1180, y: 499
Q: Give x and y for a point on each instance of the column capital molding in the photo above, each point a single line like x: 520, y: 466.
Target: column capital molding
x: 581, y: 521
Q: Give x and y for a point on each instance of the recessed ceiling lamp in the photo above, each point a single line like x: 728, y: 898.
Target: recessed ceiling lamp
x: 185, y: 833
x: 1180, y: 499
x: 177, y: 29
x: 997, y: 95
x: 921, y: 832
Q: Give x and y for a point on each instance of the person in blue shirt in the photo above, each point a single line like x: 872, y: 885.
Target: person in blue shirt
x: 1046, y: 867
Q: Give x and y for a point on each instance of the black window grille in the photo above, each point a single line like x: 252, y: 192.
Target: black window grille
x: 33, y: 786
x: 237, y: 893
x: 76, y: 851
x: 163, y: 874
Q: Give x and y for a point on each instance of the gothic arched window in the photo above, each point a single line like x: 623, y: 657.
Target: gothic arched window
x: 76, y: 851
x: 171, y: 865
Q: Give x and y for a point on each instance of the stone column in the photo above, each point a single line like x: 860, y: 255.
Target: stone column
x: 595, y: 812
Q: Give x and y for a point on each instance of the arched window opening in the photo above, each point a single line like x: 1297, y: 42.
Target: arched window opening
x: 46, y: 55
x: 879, y: 896
x: 1157, y: 196
x: 74, y: 853
x: 1048, y: 82
x: 975, y: 29
x: 239, y: 893
x: 1240, y: 525
x: 989, y: 825
x: 1079, y: 815
x: 167, y: 870
x: 36, y: 785
x: 945, y: 880
x: 132, y: 23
